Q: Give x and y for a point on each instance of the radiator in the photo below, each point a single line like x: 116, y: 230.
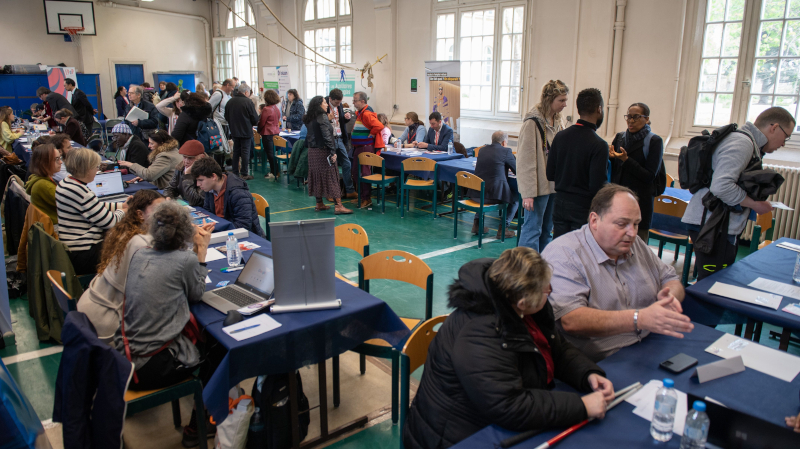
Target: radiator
x: 787, y: 222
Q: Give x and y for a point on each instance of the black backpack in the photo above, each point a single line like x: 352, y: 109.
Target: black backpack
x: 694, y: 161
x: 273, y: 401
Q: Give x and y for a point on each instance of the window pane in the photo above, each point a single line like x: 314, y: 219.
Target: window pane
x: 794, y: 9
x: 503, y: 105
x: 519, y: 17
x: 508, y: 21
x: 239, y: 8
x: 251, y: 19
x: 758, y: 104
x: 704, y: 110
x: 516, y: 73
x: 708, y: 75
x: 727, y: 75
x: 722, y: 110
x: 772, y: 9
x: 713, y: 40
x: 325, y: 8
x: 716, y: 11
x: 230, y: 21
x: 466, y: 24
x: 769, y: 38
x: 344, y: 7
x: 787, y: 80
x: 791, y: 41
x: 730, y: 43
x: 788, y: 103
x: 505, y: 73
x: 310, y: 10
x: 764, y: 78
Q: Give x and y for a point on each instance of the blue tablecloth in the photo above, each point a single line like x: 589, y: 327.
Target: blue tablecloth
x: 290, y: 138
x: 752, y: 392
x: 394, y: 160
x: 23, y: 153
x: 141, y: 185
x: 222, y: 224
x: 771, y: 263
x: 304, y: 338
x: 448, y: 170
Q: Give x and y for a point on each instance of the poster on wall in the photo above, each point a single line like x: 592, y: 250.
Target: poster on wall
x: 277, y: 78
x: 342, y: 80
x: 444, y: 90
x: 56, y: 77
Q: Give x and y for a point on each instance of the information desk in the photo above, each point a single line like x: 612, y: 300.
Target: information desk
x: 751, y: 392
x: 304, y: 338
x: 771, y: 263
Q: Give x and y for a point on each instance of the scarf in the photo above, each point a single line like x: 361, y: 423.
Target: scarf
x: 637, y: 136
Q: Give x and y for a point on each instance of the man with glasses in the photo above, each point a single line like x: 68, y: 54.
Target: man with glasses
x: 183, y: 184
x: 737, y: 152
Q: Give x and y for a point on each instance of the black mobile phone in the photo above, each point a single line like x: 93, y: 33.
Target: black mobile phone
x: 679, y: 363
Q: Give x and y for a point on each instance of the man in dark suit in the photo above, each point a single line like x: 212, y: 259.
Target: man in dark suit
x: 54, y: 102
x: 494, y: 162
x: 84, y: 109
x: 438, y: 136
x: 339, y: 119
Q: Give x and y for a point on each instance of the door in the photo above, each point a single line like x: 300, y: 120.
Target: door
x: 128, y: 74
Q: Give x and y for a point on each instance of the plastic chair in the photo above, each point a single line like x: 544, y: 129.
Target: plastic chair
x: 412, y: 356
x: 110, y: 125
x: 381, y: 180
x: 764, y: 223
x: 65, y: 301
x: 472, y: 182
x: 478, y: 149
x: 675, y: 207
x: 409, y: 269
x: 406, y: 185
x: 280, y: 147
x: 262, y: 208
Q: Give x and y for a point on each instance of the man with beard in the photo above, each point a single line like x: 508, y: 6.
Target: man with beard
x: 608, y: 289
x: 128, y: 147
x: 578, y: 163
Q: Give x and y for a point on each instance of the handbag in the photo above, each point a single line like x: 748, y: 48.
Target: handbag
x: 232, y: 432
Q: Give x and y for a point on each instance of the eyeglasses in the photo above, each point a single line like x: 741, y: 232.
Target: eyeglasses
x: 634, y: 117
x: 59, y: 158
x: 788, y: 137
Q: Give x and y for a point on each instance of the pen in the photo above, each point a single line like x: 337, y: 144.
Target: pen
x: 229, y: 269
x: 244, y: 328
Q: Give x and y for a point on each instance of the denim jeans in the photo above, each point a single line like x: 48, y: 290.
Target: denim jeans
x: 344, y: 161
x: 241, y: 150
x: 535, y: 232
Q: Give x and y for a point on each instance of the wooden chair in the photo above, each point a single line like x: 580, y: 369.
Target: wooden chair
x: 478, y: 149
x: 675, y: 207
x: 280, y: 151
x: 259, y: 152
x: 262, y: 207
x: 65, y: 301
x: 406, y: 185
x: 472, y: 182
x: 409, y: 269
x: 381, y: 180
x: 412, y: 356
x: 765, y: 223
x: 670, y: 180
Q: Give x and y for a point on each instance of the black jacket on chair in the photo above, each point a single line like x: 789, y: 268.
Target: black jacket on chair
x: 240, y: 113
x: 494, y: 161
x: 483, y: 368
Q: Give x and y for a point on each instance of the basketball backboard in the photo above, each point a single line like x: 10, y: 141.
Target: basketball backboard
x: 61, y: 14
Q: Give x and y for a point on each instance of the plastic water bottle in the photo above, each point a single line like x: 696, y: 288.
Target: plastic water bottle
x: 116, y: 168
x: 255, y: 434
x: 695, y: 432
x: 397, y: 144
x: 664, y: 412
x: 232, y: 248
x: 450, y: 147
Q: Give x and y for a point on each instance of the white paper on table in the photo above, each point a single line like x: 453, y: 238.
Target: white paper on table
x: 208, y: 280
x: 747, y: 295
x: 791, y: 246
x: 776, y: 287
x: 769, y: 361
x: 645, y: 401
x: 136, y: 114
x: 212, y: 254
x: 264, y: 322
x: 794, y: 309
x: 779, y: 205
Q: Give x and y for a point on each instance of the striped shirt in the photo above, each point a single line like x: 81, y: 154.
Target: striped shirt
x: 361, y: 134
x: 82, y: 218
x: 584, y: 276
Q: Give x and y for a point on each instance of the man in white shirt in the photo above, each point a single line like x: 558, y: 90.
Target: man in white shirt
x: 219, y: 99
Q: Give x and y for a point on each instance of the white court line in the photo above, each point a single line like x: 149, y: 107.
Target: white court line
x: 438, y: 252
x: 32, y: 355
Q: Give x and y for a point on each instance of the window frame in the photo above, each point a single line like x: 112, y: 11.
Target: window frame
x: 337, y: 22
x: 458, y: 7
x: 231, y: 18
x: 232, y: 68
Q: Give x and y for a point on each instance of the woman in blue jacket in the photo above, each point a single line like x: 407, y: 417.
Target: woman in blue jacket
x: 294, y: 110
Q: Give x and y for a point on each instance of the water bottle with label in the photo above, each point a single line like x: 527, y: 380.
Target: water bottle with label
x: 450, y: 147
x: 116, y: 168
x: 232, y: 248
x: 695, y: 432
x: 664, y: 412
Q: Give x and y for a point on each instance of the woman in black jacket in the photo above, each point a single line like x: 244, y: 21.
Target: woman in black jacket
x: 195, y: 109
x: 630, y: 167
x: 294, y: 112
x: 72, y: 127
x: 495, y: 358
x: 121, y: 100
x: 323, y: 175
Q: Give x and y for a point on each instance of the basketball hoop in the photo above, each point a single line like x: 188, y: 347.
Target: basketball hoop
x: 74, y: 34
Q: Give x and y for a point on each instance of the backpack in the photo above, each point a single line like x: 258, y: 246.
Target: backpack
x: 271, y: 396
x: 209, y: 135
x: 694, y: 161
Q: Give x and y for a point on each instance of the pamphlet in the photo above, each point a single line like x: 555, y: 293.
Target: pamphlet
x: 136, y: 114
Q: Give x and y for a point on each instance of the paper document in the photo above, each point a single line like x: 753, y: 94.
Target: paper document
x: 794, y: 309
x: 747, y: 295
x: 779, y: 288
x: 208, y: 280
x: 212, y: 255
x: 645, y: 401
x: 136, y: 114
x: 791, y: 246
x: 779, y: 205
x: 259, y: 324
x: 769, y: 361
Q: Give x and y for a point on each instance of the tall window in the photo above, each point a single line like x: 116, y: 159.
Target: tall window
x: 242, y: 9
x: 328, y: 29
x: 223, y: 50
x: 738, y: 80
x: 489, y: 42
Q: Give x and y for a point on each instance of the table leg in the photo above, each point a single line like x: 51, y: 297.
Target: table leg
x: 323, y: 398
x: 295, y: 418
x: 785, y: 336
x: 748, y: 330
x: 336, y: 394
x: 738, y: 330
x: 757, y: 334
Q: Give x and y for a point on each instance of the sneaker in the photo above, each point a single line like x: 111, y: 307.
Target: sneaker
x: 269, y: 176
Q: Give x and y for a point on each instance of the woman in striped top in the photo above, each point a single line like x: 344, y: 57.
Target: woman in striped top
x: 82, y: 218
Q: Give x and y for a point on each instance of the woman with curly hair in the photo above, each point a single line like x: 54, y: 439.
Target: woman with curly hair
x: 163, y: 158
x: 195, y: 109
x: 102, y: 300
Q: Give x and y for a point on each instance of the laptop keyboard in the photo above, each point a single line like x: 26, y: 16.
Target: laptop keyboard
x: 236, y: 296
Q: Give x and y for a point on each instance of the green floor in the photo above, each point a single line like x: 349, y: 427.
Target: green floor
x: 417, y: 233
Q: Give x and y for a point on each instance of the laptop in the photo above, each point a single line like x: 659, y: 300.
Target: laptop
x: 108, y: 187
x: 732, y: 429
x: 252, y: 290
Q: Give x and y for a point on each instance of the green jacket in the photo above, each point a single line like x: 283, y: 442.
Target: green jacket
x: 43, y: 195
x: 298, y: 160
x: 46, y: 253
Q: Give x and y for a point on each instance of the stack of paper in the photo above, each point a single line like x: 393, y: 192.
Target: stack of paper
x: 769, y: 361
x: 645, y: 400
x: 779, y: 288
x: 747, y: 295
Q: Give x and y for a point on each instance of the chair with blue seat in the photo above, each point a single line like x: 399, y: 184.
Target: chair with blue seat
x: 417, y: 164
x: 473, y: 182
x: 675, y: 207
x: 398, y: 266
x: 380, y: 180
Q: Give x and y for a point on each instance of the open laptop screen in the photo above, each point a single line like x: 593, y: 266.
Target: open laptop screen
x: 258, y: 274
x: 106, y: 184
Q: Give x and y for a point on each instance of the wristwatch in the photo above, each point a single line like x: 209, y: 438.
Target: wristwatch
x: 636, y: 324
